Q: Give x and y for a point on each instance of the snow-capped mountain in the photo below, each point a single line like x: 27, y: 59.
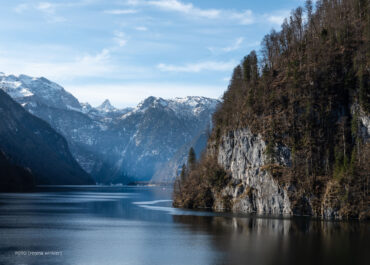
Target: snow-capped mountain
x: 158, y: 128
x: 115, y: 144
x: 38, y: 90
x: 188, y: 106
x: 106, y: 106
x: 106, y: 112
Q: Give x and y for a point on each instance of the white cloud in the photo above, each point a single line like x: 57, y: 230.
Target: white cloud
x: 198, y: 67
x: 277, y: 18
x: 49, y: 9
x: 21, y: 7
x: 121, y: 11
x: 235, y: 46
x: 132, y: 2
x: 141, y: 28
x: 120, y: 38
x: 46, y: 7
x: 245, y: 18
x: 99, y: 57
x: 83, y: 66
x: 174, y: 5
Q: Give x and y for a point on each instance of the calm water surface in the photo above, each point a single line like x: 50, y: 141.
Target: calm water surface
x: 136, y: 225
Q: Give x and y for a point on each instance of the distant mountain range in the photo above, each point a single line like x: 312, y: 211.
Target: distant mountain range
x: 31, y: 152
x: 118, y: 145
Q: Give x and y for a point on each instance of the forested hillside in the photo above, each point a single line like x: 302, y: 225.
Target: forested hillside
x: 306, y: 94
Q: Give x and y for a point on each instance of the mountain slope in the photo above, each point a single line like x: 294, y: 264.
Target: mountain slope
x: 82, y: 125
x: 167, y: 174
x: 292, y: 133
x: 31, y: 143
x: 14, y: 178
x: 157, y: 129
x: 115, y: 145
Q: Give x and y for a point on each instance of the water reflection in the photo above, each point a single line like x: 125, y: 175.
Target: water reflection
x: 283, y: 241
x: 124, y: 225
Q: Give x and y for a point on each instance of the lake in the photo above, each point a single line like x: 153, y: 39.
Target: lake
x: 138, y: 226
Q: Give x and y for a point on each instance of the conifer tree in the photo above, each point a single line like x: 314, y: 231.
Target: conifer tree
x: 183, y: 173
x: 192, y: 159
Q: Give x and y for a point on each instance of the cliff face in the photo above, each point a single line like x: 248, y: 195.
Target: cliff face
x: 252, y: 188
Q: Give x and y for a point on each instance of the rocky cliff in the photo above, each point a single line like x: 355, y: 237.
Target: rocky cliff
x: 252, y: 188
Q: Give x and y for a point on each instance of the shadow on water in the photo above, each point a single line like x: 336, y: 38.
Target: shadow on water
x: 254, y: 240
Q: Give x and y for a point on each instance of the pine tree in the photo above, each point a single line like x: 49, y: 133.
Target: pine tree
x: 183, y: 173
x: 192, y: 159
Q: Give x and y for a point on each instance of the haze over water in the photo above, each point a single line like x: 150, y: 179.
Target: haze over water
x: 137, y: 225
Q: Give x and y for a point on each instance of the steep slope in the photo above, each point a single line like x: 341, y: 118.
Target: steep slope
x: 157, y: 129
x: 167, y: 173
x: 31, y: 143
x: 292, y: 134
x: 84, y: 127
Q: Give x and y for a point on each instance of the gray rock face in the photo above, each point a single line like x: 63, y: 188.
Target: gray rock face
x: 365, y: 125
x: 364, y: 121
x: 253, y: 189
x: 117, y: 145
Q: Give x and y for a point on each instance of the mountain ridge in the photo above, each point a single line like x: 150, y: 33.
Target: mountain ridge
x: 100, y: 137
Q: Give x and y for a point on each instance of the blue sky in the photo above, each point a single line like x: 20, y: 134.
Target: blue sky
x: 127, y: 50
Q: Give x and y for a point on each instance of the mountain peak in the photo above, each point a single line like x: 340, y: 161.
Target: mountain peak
x: 106, y: 106
x: 43, y: 90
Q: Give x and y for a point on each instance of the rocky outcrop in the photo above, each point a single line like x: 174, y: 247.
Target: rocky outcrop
x: 364, y: 125
x: 252, y: 189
